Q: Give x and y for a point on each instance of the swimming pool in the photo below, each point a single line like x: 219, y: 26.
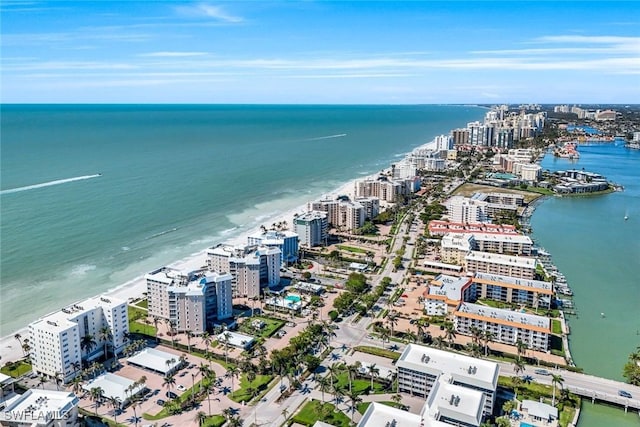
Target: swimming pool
x: 293, y: 298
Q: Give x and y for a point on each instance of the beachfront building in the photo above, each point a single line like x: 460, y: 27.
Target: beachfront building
x: 192, y: 301
x: 41, y: 408
x: 252, y: 268
x: 286, y: 241
x: 531, y: 172
x: 466, y: 210
x: 61, y: 341
x: 235, y: 339
x: 533, y: 293
x: 507, y: 326
x: 386, y: 189
x: 444, y: 294
x: 419, y: 368
x: 504, y: 265
x: 342, y: 213
x: 371, y: 206
x: 312, y: 228
x: 440, y: 228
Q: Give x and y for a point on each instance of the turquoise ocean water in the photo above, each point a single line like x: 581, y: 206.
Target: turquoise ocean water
x: 173, y: 181
x: 599, y: 253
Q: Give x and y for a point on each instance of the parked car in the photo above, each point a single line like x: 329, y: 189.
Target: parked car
x: 171, y: 395
x: 625, y: 394
x: 542, y: 372
x: 160, y: 402
x: 181, y: 387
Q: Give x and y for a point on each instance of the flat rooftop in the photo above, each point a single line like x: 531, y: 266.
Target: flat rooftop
x: 508, y: 281
x: 113, y: 385
x: 514, y: 261
x: 236, y: 339
x: 379, y: 415
x: 448, y: 286
x: 45, y: 405
x: 506, y: 317
x: 155, y: 360
x: 454, y: 402
x: 65, y: 318
x: 509, y: 238
x: 465, y: 369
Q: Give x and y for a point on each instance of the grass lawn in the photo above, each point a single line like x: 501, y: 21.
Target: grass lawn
x: 352, y: 249
x: 382, y: 352
x: 16, y: 369
x: 135, y: 321
x: 258, y: 384
x: 360, y: 385
x: 214, y: 421
x: 566, y: 416
x: 362, y: 406
x: 556, y: 327
x: 143, y: 304
x: 315, y: 410
x: 271, y: 326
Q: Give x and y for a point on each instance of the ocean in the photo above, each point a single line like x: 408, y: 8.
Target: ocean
x: 599, y: 253
x: 93, y: 196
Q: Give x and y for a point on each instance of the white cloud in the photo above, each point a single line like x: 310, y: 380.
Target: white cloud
x: 205, y: 10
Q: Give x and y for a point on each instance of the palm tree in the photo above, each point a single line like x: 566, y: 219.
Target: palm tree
x: 325, y: 385
x: 227, y: 412
x: 57, y: 377
x: 207, y: 340
x: 87, y: 343
x: 115, y: 403
x: 354, y: 399
x: 352, y: 371
x: 397, y: 398
x: 169, y: 381
x: 555, y: 380
x: 449, y: 333
x: 189, y: 336
x: 334, y: 369
x: 156, y: 321
x: 96, y: 395
x: 76, y: 384
x: 225, y: 340
x: 409, y: 336
x: 200, y: 418
x: 104, y: 335
x: 439, y: 341
x: 135, y: 402
x: 487, y: 336
x: 19, y: 338
x: 235, y: 422
x: 172, y: 332
x: 385, y: 335
x: 521, y: 347
x: 519, y: 366
x: 232, y: 372
x: 373, y: 371
x: 392, y: 319
x: 516, y: 381
x: 207, y: 387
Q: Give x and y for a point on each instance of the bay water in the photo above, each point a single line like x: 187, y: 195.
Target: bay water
x: 599, y: 253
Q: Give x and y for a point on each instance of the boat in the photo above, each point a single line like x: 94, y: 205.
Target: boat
x: 602, y: 314
x: 626, y: 217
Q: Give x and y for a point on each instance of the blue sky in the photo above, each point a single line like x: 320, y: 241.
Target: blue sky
x: 320, y: 52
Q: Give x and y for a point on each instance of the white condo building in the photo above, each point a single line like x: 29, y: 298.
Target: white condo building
x: 286, y: 241
x: 41, y: 408
x: 252, y: 267
x: 466, y: 210
x: 56, y: 339
x: 420, y: 368
x: 507, y: 326
x: 341, y: 213
x: 505, y: 265
x: 193, y: 301
x: 312, y: 228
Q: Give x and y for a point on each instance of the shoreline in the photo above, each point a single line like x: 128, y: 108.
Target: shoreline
x: 136, y: 286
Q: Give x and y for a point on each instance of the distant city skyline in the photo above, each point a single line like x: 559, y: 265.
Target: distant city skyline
x: 316, y: 52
